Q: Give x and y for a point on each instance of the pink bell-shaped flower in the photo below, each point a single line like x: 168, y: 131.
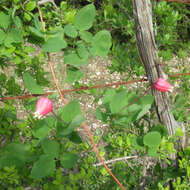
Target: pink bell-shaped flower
x: 162, y: 85
x: 43, y: 107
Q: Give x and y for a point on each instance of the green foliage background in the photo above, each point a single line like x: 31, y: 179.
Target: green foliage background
x: 49, y: 154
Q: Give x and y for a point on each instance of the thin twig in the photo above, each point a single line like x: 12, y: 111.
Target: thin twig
x: 50, y: 62
x: 135, y: 100
x: 116, y: 160
x: 55, y: 80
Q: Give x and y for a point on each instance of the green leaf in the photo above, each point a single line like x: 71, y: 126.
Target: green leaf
x: 36, y: 32
x: 70, y: 31
x: 27, y: 16
x: 18, y: 148
x: 143, y: 111
x: 41, y: 132
x: 51, y: 147
x: 2, y: 36
x: 69, y: 16
x: 86, y: 36
x: 8, y: 52
x: 161, y: 129
x: 54, y: 44
x: 30, y: 6
x: 70, y: 111
x: 73, y: 75
x: 18, y: 22
x: 109, y: 95
x: 68, y: 160
x: 13, y: 36
x: 100, y: 115
x: 179, y: 102
x: 152, y: 139
x: 50, y: 121
x: 63, y: 5
x: 137, y: 142
x: 31, y: 84
x: 73, y: 59
x: 152, y: 151
x: 37, y: 22
x: 43, y: 167
x: 134, y: 108
x: 4, y: 20
x: 145, y: 103
x: 43, y: 127
x: 123, y: 121
x: 118, y: 102
x: 82, y: 51
x: 85, y: 17
x: 76, y: 122
x: 74, y: 137
x: 16, y: 35
x: 9, y: 159
x: 12, y: 87
x: 101, y: 43
x: 147, y: 100
x: 15, y: 154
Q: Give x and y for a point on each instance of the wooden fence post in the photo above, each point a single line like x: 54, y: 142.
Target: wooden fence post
x: 147, y: 49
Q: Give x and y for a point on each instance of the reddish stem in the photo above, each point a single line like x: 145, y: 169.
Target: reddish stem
x: 65, y: 102
x: 135, y: 100
x: 74, y: 90
x: 101, y: 159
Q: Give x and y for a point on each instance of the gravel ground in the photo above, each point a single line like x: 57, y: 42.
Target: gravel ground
x: 97, y: 73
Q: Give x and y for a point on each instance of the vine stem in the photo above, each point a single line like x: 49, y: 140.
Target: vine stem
x: 65, y: 102
x: 135, y: 100
x: 99, y: 156
x: 55, y: 80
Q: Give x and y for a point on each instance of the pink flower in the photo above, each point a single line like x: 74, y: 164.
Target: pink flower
x: 162, y: 85
x: 43, y: 107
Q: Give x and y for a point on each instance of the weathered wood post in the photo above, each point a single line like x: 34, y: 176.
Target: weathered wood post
x: 147, y: 49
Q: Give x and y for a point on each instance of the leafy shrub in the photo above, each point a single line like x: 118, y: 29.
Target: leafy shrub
x: 48, y: 153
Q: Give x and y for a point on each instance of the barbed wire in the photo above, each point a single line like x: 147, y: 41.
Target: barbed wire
x: 116, y: 84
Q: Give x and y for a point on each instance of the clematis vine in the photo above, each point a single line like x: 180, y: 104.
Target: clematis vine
x: 162, y: 85
x: 43, y: 107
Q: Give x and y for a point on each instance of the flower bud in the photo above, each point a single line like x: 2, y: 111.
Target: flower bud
x: 43, y: 107
x: 162, y: 85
